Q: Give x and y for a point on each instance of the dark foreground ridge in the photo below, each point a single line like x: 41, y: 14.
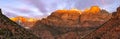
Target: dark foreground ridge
x: 11, y: 30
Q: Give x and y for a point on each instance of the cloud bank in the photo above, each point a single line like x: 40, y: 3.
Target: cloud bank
x: 41, y: 8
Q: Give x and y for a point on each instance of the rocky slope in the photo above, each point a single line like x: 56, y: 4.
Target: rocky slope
x: 109, y: 30
x: 11, y: 30
x: 73, y: 24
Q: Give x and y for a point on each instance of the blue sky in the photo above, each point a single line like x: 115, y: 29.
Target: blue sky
x: 42, y: 8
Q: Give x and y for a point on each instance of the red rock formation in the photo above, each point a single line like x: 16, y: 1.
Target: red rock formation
x: 89, y: 20
x: 65, y: 23
x: 64, y: 17
x: 109, y: 30
x: 76, y: 18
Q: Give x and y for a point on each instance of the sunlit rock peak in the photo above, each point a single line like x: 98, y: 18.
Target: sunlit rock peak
x: 22, y: 19
x: 19, y: 18
x: 73, y: 10
x: 92, y: 9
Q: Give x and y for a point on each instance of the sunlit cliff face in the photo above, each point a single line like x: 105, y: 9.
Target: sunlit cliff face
x: 93, y: 9
x: 25, y: 22
x: 23, y: 19
x: 71, y: 16
x: 69, y: 11
x: 19, y: 18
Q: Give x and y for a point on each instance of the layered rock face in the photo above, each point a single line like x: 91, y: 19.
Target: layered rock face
x: 109, y: 30
x: 76, y: 18
x: 70, y: 24
x: 63, y: 18
x: 11, y: 30
x: 94, y: 19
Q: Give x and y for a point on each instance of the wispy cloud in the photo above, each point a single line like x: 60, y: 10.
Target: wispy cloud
x: 33, y: 8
